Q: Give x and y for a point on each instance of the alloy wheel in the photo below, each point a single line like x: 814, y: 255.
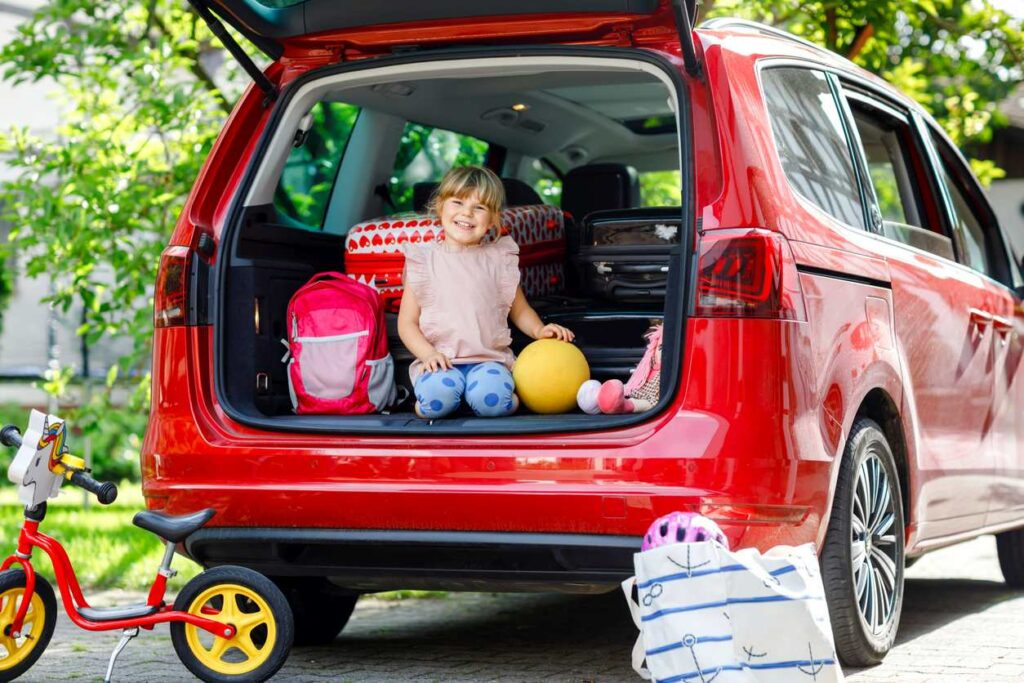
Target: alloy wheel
x: 874, y: 551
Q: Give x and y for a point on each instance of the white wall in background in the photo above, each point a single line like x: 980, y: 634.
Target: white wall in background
x: 1007, y: 197
x: 24, y: 339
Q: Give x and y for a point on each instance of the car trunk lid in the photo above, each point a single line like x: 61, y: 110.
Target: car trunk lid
x: 346, y: 29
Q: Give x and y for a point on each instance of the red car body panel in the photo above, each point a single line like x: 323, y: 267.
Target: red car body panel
x: 755, y: 432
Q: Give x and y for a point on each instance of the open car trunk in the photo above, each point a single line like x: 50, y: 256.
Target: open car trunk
x: 279, y: 25
x: 564, y: 125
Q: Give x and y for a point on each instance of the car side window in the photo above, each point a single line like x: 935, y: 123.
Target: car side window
x: 661, y: 188
x: 888, y: 169
x: 812, y: 143
x: 981, y: 246
x: 305, y: 185
x: 895, y: 169
x: 425, y: 155
x: 542, y: 178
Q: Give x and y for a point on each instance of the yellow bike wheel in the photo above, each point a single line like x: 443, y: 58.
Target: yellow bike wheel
x: 253, y: 606
x: 17, y: 655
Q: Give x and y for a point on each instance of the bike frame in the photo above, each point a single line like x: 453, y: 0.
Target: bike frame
x: 73, y: 599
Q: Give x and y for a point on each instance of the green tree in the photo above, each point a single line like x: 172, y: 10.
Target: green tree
x: 958, y: 59
x: 92, y: 206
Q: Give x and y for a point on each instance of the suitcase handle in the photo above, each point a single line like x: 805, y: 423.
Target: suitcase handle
x: 604, y: 268
x: 616, y: 290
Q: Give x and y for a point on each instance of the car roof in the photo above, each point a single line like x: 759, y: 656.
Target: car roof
x: 761, y: 41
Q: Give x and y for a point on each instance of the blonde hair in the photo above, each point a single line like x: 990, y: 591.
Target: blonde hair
x: 464, y: 181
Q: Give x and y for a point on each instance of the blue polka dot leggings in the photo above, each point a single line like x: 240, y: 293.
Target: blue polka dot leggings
x: 487, y: 388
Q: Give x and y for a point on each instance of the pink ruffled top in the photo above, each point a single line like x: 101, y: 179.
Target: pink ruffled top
x: 464, y: 294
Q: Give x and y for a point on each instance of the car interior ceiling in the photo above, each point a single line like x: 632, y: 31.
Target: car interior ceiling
x: 575, y: 121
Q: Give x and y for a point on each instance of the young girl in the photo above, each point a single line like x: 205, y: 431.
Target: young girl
x: 459, y: 296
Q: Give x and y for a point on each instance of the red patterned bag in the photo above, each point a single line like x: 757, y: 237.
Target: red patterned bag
x: 372, y: 248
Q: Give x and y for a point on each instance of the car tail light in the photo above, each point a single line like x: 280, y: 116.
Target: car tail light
x: 170, y: 301
x: 747, y: 273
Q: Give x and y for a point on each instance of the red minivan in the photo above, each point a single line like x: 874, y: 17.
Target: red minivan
x: 842, y: 315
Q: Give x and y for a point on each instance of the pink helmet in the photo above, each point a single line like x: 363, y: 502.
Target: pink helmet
x: 682, y: 527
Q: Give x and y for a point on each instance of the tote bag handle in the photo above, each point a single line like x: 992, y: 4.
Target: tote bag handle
x: 638, y: 647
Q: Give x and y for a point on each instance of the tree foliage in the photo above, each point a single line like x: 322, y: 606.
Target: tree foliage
x: 92, y: 205
x: 424, y: 155
x: 312, y: 165
x: 958, y: 58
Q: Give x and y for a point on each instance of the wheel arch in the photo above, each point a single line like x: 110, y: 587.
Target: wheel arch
x: 879, y: 406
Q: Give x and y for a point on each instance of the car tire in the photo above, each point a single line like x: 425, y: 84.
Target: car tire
x: 1010, y: 547
x: 862, y: 560
x: 321, y: 609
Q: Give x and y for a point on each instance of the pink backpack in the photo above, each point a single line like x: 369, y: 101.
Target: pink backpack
x: 338, y: 360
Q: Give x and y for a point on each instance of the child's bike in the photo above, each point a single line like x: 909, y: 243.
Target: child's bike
x: 227, y: 624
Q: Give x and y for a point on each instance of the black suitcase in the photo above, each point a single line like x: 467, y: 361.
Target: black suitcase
x: 624, y: 254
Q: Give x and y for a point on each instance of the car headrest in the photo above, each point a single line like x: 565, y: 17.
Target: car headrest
x: 421, y: 195
x: 599, y: 187
x: 517, y: 193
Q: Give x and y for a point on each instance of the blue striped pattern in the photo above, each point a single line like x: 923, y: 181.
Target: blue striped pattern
x: 705, y: 572
x: 745, y: 665
x: 697, y: 641
x: 722, y: 603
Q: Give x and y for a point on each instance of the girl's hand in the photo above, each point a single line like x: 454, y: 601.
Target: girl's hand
x: 556, y: 331
x: 436, y: 362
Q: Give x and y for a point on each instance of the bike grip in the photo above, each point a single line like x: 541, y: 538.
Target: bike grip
x: 10, y: 436
x: 105, y: 491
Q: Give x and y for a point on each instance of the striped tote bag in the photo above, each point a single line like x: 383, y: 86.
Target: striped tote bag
x: 709, y: 614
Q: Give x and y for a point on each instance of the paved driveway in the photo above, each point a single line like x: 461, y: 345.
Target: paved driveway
x: 960, y: 624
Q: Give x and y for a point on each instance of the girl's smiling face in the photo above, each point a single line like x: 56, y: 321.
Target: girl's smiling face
x: 466, y: 221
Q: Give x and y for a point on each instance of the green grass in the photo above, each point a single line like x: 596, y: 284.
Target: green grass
x: 106, y: 550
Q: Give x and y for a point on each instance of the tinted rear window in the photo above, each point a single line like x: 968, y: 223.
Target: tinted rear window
x: 812, y: 143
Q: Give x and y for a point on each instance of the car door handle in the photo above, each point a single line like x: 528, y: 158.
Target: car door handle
x: 1003, y: 327
x: 980, y: 318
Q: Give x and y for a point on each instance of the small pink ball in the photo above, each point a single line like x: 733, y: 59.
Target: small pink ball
x: 586, y: 397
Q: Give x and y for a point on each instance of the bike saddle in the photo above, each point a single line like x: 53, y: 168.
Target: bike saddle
x: 173, y: 528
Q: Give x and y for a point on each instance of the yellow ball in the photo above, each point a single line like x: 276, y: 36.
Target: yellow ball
x: 548, y: 373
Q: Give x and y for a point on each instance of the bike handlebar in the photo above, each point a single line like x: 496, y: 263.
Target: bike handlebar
x: 105, y: 491
x: 10, y: 436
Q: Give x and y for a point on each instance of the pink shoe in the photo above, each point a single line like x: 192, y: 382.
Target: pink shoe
x: 611, y: 398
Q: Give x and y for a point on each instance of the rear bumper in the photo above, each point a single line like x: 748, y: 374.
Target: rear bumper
x: 374, y: 560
